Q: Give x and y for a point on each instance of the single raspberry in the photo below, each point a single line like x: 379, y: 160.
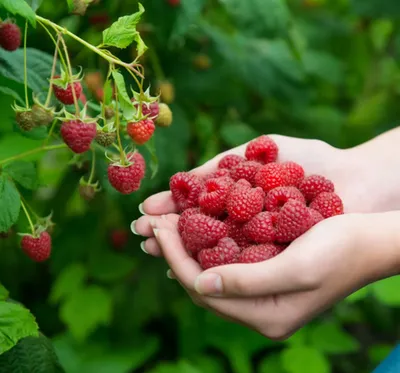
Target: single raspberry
x: 151, y: 110
x: 327, y: 204
x: 184, y: 217
x: 260, y: 228
x: 37, y: 248
x: 119, y: 238
x: 203, y: 232
x: 277, y: 197
x: 219, y: 173
x: 185, y: 189
x: 10, y: 36
x: 293, y: 220
x: 313, y: 185
x: 212, y: 200
x: 294, y: 173
x: 25, y: 120
x: 246, y: 170
x: 165, y: 116
x: 316, y: 216
x: 242, y: 183
x: 127, y: 179
x: 142, y: 131
x: 235, y: 231
x: 243, y: 203
x: 78, y: 135
x: 64, y: 95
x: 230, y: 161
x: 263, y: 149
x: 41, y: 115
x: 259, y: 253
x: 106, y: 139
x: 271, y: 176
x: 226, y: 252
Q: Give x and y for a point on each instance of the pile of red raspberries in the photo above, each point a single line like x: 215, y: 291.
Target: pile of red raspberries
x: 251, y: 208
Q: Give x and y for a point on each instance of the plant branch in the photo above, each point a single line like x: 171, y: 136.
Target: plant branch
x: 28, y: 217
x: 25, y: 66
x: 53, y: 71
x: 31, y: 152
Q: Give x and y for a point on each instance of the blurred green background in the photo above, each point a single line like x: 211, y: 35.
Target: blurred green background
x: 231, y: 70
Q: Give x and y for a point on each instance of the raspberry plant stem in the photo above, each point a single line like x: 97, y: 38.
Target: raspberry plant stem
x: 117, y: 124
x: 25, y: 66
x: 47, y: 139
x: 92, y: 171
x: 31, y: 152
x: 28, y: 217
x: 53, y: 71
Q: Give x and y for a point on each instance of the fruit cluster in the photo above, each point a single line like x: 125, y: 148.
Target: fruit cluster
x: 251, y: 208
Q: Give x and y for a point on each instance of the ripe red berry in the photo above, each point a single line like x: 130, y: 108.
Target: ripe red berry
x: 184, y: 217
x: 277, y: 197
x: 327, y: 204
x: 235, y: 231
x: 37, y: 248
x: 119, y: 238
x: 127, y: 179
x: 185, y: 188
x: 259, y: 253
x: 151, y: 110
x: 293, y: 220
x: 294, y: 173
x: 245, y: 170
x: 243, y: 203
x: 65, y: 96
x: 226, y: 252
x: 219, y: 173
x: 10, y: 36
x: 271, y: 176
x: 260, y: 228
x: 142, y: 131
x: 78, y: 135
x: 212, y: 199
x: 263, y: 149
x: 316, y: 216
x: 313, y: 185
x: 230, y: 161
x: 203, y: 232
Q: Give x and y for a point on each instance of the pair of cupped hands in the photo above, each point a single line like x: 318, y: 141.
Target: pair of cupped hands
x: 278, y: 296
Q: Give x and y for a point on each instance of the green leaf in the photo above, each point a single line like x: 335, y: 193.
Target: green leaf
x: 38, y: 133
x: 31, y: 354
x: 108, y: 92
x: 237, y: 133
x: 124, y: 100
x: 123, y: 32
x: 3, y: 292
x: 70, y: 281
x: 35, y: 4
x: 331, y: 338
x: 379, y: 352
x: 70, y: 4
x: 376, y: 8
x: 387, y: 291
x: 13, y: 144
x: 304, y: 359
x: 10, y: 204
x: 85, y: 310
x: 12, y: 93
x: 271, y: 364
x: 154, y: 164
x: 16, y: 322
x: 24, y: 173
x: 21, y: 8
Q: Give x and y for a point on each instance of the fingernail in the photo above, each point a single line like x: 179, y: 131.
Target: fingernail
x: 208, y: 284
x: 141, y: 209
x: 133, y: 228
x: 142, y: 247
x: 170, y: 275
x: 155, y: 231
x: 153, y: 223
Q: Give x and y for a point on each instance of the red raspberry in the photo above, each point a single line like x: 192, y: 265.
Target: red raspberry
x: 78, y: 135
x: 185, y: 189
x: 184, y: 217
x: 174, y: 2
x: 245, y: 170
x: 235, y: 231
x: 259, y: 253
x: 230, y: 161
x: 10, y: 36
x: 37, y: 248
x: 327, y: 204
x: 142, y: 131
x: 243, y: 202
x: 203, y: 232
x: 212, y: 199
x: 263, y: 149
x: 150, y: 110
x: 294, y: 173
x: 119, y: 238
x: 277, y: 197
x: 219, y: 173
x: 313, y: 185
x: 293, y: 220
x: 126, y: 179
x: 271, y: 176
x: 316, y: 216
x: 65, y: 96
x: 261, y: 228
x: 226, y: 252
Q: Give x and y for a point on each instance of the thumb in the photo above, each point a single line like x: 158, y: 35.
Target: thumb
x: 276, y: 275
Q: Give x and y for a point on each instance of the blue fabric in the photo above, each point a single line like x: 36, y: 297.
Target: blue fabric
x: 391, y: 364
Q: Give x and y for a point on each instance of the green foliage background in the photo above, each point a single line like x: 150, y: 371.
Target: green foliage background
x: 325, y: 69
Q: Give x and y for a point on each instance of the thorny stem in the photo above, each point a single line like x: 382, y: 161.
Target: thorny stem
x: 28, y: 217
x: 31, y: 152
x: 93, y: 166
x: 53, y: 70
x: 25, y: 66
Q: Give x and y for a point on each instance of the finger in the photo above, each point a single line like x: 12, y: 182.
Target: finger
x: 151, y: 247
x: 142, y: 226
x: 158, y: 204
x: 272, y: 276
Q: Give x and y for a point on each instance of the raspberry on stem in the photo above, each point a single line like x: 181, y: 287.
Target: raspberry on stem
x: 10, y: 36
x: 78, y: 135
x: 37, y: 248
x: 142, y: 131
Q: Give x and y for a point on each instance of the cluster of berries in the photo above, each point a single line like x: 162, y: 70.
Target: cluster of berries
x: 251, y: 208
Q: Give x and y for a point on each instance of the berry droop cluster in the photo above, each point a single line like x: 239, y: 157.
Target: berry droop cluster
x: 251, y: 208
